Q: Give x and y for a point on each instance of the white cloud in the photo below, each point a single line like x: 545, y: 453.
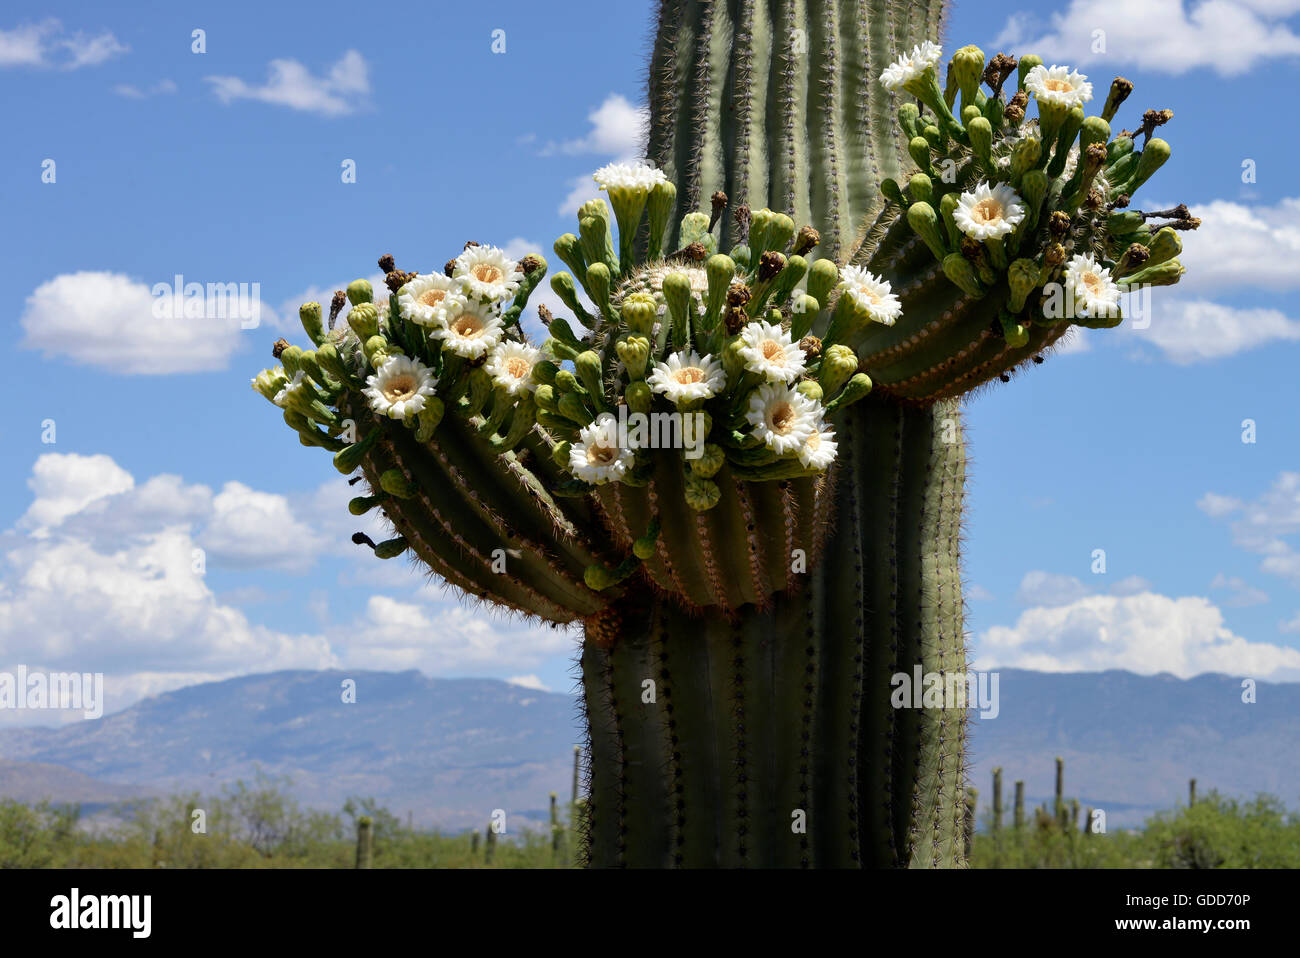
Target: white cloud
x: 1145, y: 633
x: 45, y: 44
x: 1241, y: 592
x: 1227, y: 36
x: 618, y: 128
x: 977, y: 593
x: 251, y: 528
x: 136, y: 93
x: 107, y: 320
x: 1194, y: 331
x: 1291, y: 626
x: 1240, y: 246
x: 1263, y: 525
x: 528, y: 682
x: 65, y: 484
x: 447, y: 638
x: 1130, y: 585
x: 618, y: 132
x: 1046, y: 588
x: 341, y: 91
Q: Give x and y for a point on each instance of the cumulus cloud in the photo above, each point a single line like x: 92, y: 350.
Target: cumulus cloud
x: 1195, y: 331
x: 1145, y: 633
x: 617, y: 132
x: 342, y: 90
x: 1240, y: 593
x: 1229, y: 37
x: 47, y: 44
x: 1046, y: 588
x: 132, y: 92
x: 1265, y: 525
x: 109, y: 320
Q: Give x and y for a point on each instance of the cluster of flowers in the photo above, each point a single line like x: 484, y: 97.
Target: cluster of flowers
x: 1039, y: 200
x: 729, y: 340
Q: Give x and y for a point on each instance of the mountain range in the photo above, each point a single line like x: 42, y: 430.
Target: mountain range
x: 449, y: 751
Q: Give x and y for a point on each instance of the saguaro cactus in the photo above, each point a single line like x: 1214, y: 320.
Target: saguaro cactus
x: 763, y: 567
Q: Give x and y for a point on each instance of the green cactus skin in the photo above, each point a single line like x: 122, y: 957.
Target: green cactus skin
x: 770, y: 711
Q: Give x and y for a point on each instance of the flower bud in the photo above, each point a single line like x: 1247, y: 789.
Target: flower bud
x: 1025, y: 157
x: 695, y: 229
x: 701, y: 494
x: 823, y: 276
x: 959, y: 269
x: 390, y: 548
x: 810, y: 388
x: 1161, y: 274
x: 639, y: 312
x: 921, y: 188
x: 587, y: 364
x: 980, y: 131
x: 364, y: 320
x: 1027, y: 63
x: 574, y: 409
x: 925, y: 223
x: 891, y: 191
x: 393, y: 482
x: 310, y: 315
x: 634, y: 352
x: 363, y: 504
x: 919, y: 148
x: 598, y: 279
x: 1120, y: 88
x: 1153, y: 156
x: 1022, y: 277
x: 968, y: 70
x: 909, y: 116
x: 839, y: 362
x: 428, y: 418
x: 546, y: 398
x: 638, y: 396
x: 856, y: 388
x: 269, y: 382
x: 709, y: 462
x: 1164, y: 246
x: 360, y: 291
x: 1015, y: 334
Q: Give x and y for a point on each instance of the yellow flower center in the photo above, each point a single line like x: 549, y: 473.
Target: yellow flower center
x: 601, y: 455
x: 814, y: 442
x: 689, y: 374
x: 772, y: 350
x: 487, y: 273
x: 781, y: 417
x: 518, y: 368
x: 1059, y: 86
x: 1092, y: 281
x: 432, y: 297
x: 400, y: 388
x: 869, y: 295
x: 467, y: 325
x: 986, y: 211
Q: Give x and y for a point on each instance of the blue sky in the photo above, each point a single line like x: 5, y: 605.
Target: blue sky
x: 225, y: 166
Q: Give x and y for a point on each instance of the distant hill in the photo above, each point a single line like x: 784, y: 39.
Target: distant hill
x: 450, y: 751
x: 447, y: 750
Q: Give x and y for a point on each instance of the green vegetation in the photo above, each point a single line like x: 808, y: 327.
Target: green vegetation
x: 258, y: 825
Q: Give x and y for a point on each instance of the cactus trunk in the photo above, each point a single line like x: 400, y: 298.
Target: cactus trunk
x: 771, y: 738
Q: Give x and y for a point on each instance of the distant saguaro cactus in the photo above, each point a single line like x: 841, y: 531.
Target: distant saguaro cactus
x: 738, y: 461
x: 365, y: 842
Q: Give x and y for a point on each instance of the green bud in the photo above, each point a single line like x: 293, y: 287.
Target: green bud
x: 1153, y: 157
x: 780, y: 232
x: 720, y: 270
x: 363, y: 504
x: 921, y: 188
x: 1068, y: 130
x: 909, y: 116
x: 969, y: 113
x: 934, y: 136
x: 347, y: 460
x: 677, y: 293
x: 711, y: 458
x: 393, y: 482
x: 546, y: 398
x: 390, y: 548
x: 919, y: 148
x: 1162, y: 274
x: 544, y: 372
x: 947, y: 204
x: 968, y: 70
x: 759, y: 223
x: 1165, y: 245
x: 573, y: 408
x: 823, y: 276
x: 598, y: 279
x: 560, y: 454
x: 377, y: 349
x: 839, y: 362
x: 695, y: 229
x: 1033, y: 188
x: 701, y: 494
x: 925, y: 223
x: 1022, y: 277
x: 643, y: 548
x: 598, y: 577
x: 639, y: 311
x: 364, y: 320
x: 742, y: 254
x: 327, y: 355
x: 980, y: 131
x: 1025, y: 157
x: 958, y: 269
x: 360, y: 291
x: 1120, y: 88
x: 853, y: 390
x: 428, y: 418
x: 1119, y: 147
x: 566, y: 382
x: 310, y: 315
x: 1015, y: 334
x: 634, y: 352
x: 1027, y: 63
x: 289, y: 359
x: 269, y: 382
x: 638, y: 396
x: 587, y: 364
x: 569, y: 248
x: 810, y: 388
x: 891, y: 191
x: 1094, y: 130
x: 663, y: 197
